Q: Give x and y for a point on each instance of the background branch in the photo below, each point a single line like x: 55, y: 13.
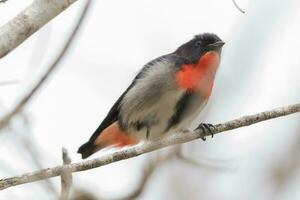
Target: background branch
x: 219, y: 165
x: 238, y: 7
x: 66, y: 176
x: 147, y: 147
x: 31, y: 19
x: 29, y: 143
x: 180, y: 156
x: 26, y: 98
x: 148, y: 171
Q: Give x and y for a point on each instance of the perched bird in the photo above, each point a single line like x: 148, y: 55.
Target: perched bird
x: 165, y: 97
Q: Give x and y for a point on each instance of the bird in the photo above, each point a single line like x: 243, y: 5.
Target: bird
x: 164, y: 98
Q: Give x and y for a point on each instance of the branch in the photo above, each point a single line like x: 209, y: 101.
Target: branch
x: 25, y: 99
x: 147, y: 147
x: 148, y: 170
x: 210, y: 164
x: 66, y: 176
x: 31, y: 19
x: 29, y: 143
x: 3, y: 1
x: 188, y: 160
x: 237, y: 6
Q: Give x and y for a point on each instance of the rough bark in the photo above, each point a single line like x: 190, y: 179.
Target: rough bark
x: 31, y: 19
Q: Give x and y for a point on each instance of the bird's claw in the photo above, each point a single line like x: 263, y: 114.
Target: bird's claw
x: 207, y: 129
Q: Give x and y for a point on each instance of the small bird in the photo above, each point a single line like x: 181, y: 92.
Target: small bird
x: 165, y: 97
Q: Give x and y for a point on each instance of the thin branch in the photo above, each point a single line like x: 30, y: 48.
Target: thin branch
x: 66, y: 176
x: 31, y: 19
x: 181, y: 157
x: 3, y: 1
x: 26, y: 98
x: 238, y: 7
x: 149, y: 169
x: 147, y: 147
x: 285, y: 167
x: 34, y: 152
x: 221, y: 165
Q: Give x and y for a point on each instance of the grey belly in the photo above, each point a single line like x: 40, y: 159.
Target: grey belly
x: 155, y: 119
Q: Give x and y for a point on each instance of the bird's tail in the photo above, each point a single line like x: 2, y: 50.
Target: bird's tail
x: 87, y: 149
x: 111, y: 136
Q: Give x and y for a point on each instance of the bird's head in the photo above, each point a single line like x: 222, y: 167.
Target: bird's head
x: 201, y: 44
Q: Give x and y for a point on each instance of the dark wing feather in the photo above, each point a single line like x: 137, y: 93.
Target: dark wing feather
x: 89, y: 147
x: 111, y: 117
x: 179, y: 110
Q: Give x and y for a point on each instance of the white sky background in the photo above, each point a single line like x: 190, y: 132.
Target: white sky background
x: 260, y: 70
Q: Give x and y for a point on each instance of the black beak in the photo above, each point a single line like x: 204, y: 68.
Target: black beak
x: 216, y: 45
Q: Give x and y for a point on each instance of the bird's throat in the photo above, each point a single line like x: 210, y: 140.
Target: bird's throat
x: 199, y: 76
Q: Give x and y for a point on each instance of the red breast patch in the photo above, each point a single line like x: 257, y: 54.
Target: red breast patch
x: 199, y: 76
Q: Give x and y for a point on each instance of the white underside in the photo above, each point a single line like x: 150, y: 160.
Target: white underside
x: 154, y: 97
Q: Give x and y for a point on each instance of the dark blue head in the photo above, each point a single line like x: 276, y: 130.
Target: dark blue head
x: 202, y: 43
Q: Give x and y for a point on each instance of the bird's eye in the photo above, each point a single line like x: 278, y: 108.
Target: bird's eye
x: 197, y: 43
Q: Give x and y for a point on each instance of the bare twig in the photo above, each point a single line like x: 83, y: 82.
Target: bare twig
x: 285, y: 167
x: 180, y: 156
x: 25, y: 99
x: 148, y: 147
x: 34, y: 154
x: 32, y: 18
x: 149, y: 169
x: 30, y: 146
x: 204, y: 163
x: 237, y: 6
x: 22, y: 137
x: 66, y: 176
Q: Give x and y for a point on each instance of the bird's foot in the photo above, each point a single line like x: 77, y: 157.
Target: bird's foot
x: 207, y: 129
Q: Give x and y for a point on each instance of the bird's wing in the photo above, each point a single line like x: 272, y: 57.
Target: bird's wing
x: 89, y: 147
x: 114, y: 112
x: 154, y: 86
x: 142, y: 93
x: 112, y: 115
